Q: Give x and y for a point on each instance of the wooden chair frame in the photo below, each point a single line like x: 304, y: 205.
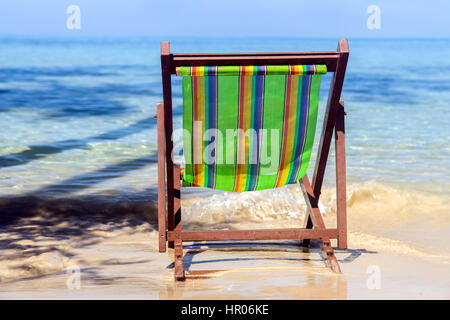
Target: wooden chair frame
x: 169, y: 175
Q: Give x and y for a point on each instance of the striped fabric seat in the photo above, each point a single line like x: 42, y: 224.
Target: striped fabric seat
x: 248, y: 127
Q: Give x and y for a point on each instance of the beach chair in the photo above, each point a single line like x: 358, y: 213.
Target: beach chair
x: 268, y: 102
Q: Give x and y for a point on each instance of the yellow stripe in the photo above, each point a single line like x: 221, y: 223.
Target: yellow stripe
x: 297, y: 70
x: 198, y: 71
x: 248, y: 70
x: 247, y: 106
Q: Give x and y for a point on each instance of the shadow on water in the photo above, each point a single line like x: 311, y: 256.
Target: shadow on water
x: 53, y: 212
x: 61, y: 204
x: 56, y: 97
x: 34, y: 225
x: 36, y: 152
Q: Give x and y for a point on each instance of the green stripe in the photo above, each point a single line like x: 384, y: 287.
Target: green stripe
x: 184, y: 71
x: 278, y: 70
x: 311, y: 124
x: 297, y: 126
x: 227, y: 115
x: 321, y: 69
x: 273, y: 113
x: 187, y: 126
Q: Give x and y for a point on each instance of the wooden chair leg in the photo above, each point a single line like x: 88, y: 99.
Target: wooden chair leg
x: 178, y: 261
x: 341, y: 194
x: 178, y: 243
x: 161, y: 179
x: 328, y: 255
x: 168, y: 130
x: 317, y: 221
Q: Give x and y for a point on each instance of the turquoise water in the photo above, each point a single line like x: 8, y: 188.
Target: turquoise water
x: 76, y: 115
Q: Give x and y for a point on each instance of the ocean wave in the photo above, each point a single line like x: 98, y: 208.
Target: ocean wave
x: 370, y: 201
x: 367, y: 203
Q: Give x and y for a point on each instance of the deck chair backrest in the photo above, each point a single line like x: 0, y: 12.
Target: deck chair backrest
x: 335, y: 62
x: 248, y: 127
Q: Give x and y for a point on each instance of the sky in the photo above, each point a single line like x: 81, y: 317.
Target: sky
x: 229, y: 18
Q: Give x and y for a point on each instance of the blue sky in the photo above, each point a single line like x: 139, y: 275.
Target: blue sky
x: 228, y: 18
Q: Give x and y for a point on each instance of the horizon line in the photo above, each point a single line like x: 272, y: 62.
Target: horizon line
x: 78, y: 36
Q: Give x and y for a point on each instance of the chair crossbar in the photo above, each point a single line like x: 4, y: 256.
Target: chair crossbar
x: 266, y: 234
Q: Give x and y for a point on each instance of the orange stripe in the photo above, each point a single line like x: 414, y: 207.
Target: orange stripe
x: 289, y: 134
x: 285, y: 129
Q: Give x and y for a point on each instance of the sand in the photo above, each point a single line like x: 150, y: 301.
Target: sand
x: 398, y: 249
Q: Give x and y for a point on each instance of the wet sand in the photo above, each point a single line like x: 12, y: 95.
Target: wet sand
x: 118, y: 256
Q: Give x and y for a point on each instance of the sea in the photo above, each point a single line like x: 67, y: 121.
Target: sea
x: 77, y: 117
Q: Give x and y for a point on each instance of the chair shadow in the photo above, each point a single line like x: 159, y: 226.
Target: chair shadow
x: 199, y: 247
x: 308, y: 286
x: 36, y: 203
